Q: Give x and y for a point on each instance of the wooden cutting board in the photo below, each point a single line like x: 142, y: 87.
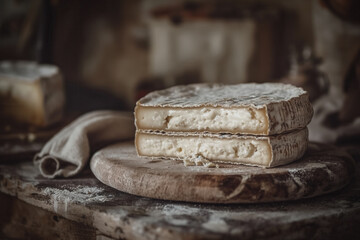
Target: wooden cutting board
x: 323, y: 169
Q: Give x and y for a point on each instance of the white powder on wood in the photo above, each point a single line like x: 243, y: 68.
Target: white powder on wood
x: 80, y: 194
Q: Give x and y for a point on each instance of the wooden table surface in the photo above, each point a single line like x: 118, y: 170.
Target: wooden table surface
x: 88, y: 209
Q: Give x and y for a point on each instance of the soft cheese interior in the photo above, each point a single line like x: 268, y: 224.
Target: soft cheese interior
x: 232, y: 120
x: 258, y: 109
x: 254, y: 124
x: 251, y: 150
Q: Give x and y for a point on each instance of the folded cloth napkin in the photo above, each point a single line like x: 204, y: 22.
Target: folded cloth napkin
x: 68, y: 152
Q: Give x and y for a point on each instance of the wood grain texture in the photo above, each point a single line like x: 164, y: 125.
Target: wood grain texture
x: 123, y: 216
x: 24, y: 221
x: 323, y: 169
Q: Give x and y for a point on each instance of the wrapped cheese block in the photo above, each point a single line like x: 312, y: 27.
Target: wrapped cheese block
x: 31, y: 93
x: 254, y: 124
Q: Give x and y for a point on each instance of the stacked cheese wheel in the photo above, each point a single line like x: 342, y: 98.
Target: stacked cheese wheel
x: 254, y: 124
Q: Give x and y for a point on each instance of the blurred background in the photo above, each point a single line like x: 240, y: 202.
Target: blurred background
x: 110, y: 53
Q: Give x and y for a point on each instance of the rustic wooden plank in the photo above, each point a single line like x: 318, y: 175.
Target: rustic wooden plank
x: 123, y: 216
x: 20, y: 220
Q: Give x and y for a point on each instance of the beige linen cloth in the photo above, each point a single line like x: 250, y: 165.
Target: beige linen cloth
x: 68, y: 152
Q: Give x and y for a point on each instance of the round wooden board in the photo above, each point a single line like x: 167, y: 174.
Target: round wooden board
x: 323, y: 169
